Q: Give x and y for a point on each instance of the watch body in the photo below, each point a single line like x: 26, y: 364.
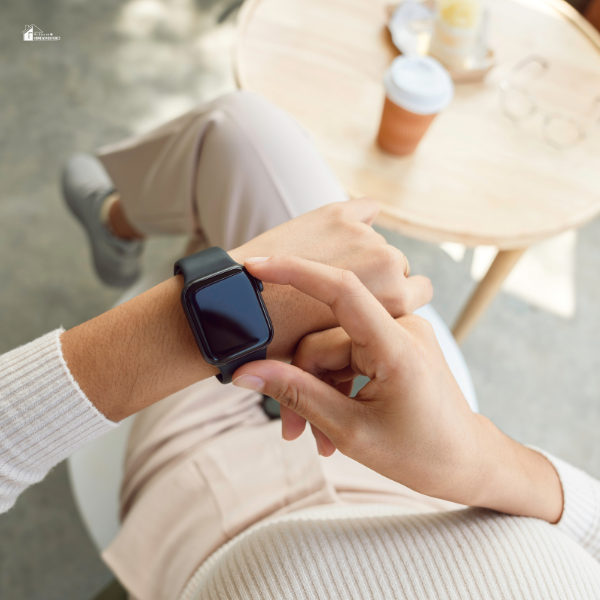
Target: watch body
x: 225, y: 310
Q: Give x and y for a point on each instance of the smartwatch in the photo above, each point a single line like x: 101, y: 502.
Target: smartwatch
x: 225, y: 309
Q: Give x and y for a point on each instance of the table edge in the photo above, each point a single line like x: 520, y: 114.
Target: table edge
x: 394, y: 222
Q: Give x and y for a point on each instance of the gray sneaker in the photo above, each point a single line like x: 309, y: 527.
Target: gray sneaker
x: 85, y: 185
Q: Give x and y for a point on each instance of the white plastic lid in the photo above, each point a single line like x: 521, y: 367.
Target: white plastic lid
x: 419, y: 84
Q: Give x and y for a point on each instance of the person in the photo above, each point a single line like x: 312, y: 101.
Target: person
x: 215, y: 504
x: 67, y: 387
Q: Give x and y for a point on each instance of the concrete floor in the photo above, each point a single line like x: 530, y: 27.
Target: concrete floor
x: 121, y: 67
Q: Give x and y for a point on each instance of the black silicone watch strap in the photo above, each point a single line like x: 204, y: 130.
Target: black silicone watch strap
x: 228, y: 370
x: 205, y: 263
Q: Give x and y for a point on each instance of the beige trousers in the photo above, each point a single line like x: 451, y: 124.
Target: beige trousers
x: 232, y: 169
x: 206, y: 463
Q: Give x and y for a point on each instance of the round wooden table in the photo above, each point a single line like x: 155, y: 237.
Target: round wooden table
x: 477, y: 178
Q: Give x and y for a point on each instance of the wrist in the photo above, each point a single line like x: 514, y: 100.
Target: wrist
x: 516, y: 480
x: 137, y: 353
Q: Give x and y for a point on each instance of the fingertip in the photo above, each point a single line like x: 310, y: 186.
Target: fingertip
x: 422, y: 289
x: 319, y: 448
x: 327, y: 452
x: 325, y: 446
x: 376, y: 206
x: 292, y: 425
x: 373, y: 209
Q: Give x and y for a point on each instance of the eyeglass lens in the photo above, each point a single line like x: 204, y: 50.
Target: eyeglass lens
x: 561, y: 131
x: 517, y: 104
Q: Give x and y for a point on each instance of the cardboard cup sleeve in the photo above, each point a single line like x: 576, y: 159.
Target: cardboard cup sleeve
x: 400, y: 130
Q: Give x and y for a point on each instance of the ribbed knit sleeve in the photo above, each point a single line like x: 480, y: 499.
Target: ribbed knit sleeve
x: 44, y: 415
x: 581, y: 511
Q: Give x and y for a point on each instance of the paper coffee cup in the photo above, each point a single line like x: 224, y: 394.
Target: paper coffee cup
x: 417, y: 89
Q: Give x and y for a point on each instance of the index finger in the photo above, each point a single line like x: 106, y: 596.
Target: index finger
x: 359, y: 313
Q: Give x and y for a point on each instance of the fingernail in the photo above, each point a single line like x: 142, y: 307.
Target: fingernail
x: 257, y: 259
x: 249, y: 382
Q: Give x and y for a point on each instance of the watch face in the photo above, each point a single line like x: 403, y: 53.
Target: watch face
x: 229, y: 315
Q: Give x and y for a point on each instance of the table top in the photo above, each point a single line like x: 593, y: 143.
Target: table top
x: 477, y: 177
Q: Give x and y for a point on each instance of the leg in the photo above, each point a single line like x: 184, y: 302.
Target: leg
x: 231, y: 169
x: 486, y: 291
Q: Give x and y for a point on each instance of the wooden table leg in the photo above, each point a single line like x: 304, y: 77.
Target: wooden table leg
x: 486, y: 291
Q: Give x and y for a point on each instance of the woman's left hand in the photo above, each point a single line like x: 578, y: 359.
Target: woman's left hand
x: 411, y: 422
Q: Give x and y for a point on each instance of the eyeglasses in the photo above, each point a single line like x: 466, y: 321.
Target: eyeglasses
x: 519, y: 104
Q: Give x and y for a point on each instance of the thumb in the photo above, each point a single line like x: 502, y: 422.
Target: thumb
x: 317, y: 402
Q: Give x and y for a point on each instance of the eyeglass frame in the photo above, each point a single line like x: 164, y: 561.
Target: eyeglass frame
x: 506, y: 86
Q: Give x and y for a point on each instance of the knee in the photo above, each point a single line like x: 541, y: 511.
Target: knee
x: 241, y: 116
x: 244, y: 104
x: 253, y: 112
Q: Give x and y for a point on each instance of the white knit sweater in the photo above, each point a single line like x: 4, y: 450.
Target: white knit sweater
x: 44, y: 417
x: 370, y: 551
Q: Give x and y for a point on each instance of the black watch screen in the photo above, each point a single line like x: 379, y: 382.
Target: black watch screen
x: 230, y: 316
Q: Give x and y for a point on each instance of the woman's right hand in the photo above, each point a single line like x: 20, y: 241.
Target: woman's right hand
x: 411, y: 422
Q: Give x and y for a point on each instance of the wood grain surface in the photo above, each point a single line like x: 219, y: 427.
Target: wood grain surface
x: 477, y: 177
